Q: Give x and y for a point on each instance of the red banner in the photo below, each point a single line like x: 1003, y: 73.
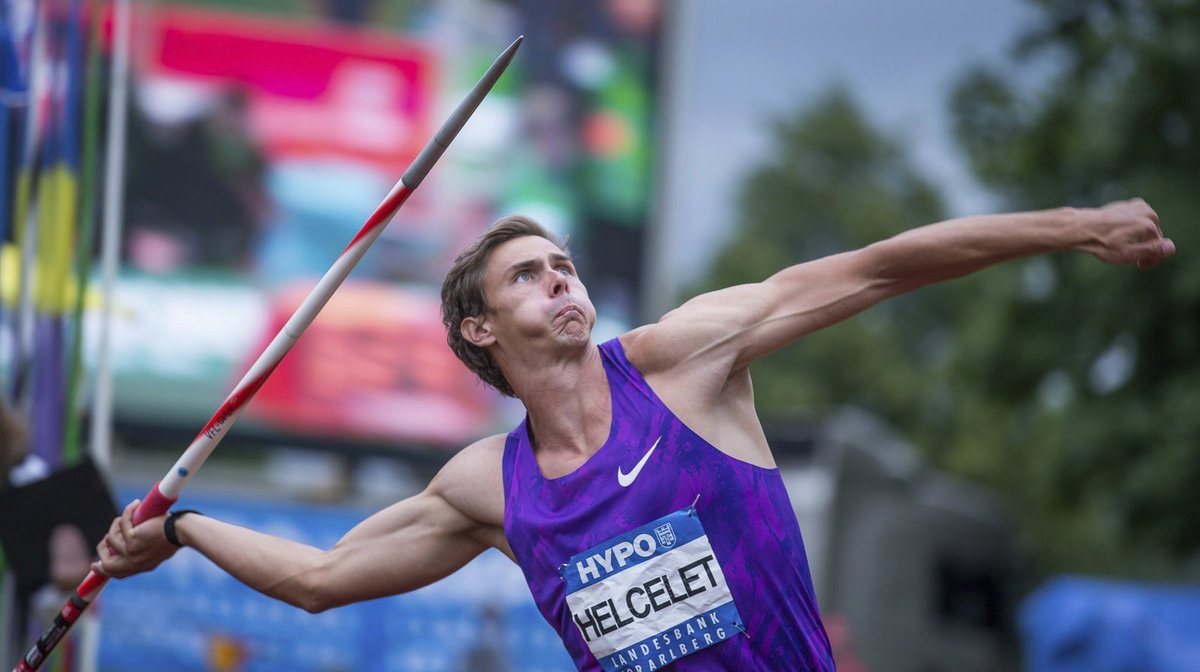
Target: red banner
x: 313, y: 89
x: 376, y: 365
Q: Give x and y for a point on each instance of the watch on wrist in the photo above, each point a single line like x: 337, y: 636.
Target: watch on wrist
x: 169, y: 525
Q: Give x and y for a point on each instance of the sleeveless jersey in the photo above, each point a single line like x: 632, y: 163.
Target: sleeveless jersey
x: 660, y: 550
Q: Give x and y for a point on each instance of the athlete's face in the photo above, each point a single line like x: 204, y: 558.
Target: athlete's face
x: 534, y: 295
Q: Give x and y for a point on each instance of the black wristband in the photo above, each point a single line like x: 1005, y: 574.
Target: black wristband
x: 169, y: 525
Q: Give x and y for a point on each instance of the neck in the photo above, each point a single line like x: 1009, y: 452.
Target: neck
x: 568, y: 402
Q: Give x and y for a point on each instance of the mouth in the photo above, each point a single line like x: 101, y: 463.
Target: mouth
x: 568, y: 309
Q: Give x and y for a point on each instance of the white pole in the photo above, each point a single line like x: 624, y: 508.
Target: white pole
x: 110, y: 250
x: 114, y: 180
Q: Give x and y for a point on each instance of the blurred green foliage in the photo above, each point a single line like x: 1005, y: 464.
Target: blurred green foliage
x: 1071, y: 387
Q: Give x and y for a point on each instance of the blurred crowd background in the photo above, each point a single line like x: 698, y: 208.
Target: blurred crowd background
x: 996, y: 474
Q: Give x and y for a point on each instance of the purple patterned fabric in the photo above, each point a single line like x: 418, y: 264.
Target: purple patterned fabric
x: 744, y: 509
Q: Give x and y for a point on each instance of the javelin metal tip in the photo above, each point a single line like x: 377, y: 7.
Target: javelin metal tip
x: 441, y: 140
x: 504, y: 58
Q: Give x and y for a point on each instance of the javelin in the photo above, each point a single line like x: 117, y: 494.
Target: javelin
x: 166, y: 491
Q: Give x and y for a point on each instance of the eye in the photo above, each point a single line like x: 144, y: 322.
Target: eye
x: 566, y: 270
x: 523, y: 276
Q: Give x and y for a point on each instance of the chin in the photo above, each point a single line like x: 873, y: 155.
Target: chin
x: 577, y: 334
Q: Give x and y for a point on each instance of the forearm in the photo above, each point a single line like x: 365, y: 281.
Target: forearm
x: 406, y: 546
x: 958, y: 247
x: 280, y: 568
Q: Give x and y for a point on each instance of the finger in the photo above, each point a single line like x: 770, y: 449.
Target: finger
x: 127, y: 528
x: 117, y: 544
x: 114, y: 567
x: 1146, y: 230
x: 127, y: 515
x: 114, y: 531
x: 104, y: 554
x: 1151, y: 253
x: 103, y: 550
x: 130, y: 508
x: 112, y: 554
x: 1150, y: 213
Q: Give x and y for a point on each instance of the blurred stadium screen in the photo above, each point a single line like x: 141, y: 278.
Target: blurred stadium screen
x: 259, y: 143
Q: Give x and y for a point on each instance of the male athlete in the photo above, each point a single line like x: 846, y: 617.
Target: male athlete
x: 639, y: 495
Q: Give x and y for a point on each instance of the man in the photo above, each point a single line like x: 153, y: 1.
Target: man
x: 639, y: 496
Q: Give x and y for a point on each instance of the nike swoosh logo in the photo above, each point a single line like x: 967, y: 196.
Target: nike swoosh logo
x: 626, y: 480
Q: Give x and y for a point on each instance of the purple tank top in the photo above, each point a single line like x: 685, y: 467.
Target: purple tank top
x: 661, y: 550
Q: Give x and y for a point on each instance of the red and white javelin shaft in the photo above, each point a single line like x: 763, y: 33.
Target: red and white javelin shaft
x: 166, y: 491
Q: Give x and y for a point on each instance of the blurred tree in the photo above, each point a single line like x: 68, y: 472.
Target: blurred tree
x: 1068, y: 385
x: 1100, y: 364
x: 835, y: 183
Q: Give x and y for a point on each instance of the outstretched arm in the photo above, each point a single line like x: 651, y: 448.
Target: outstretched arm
x: 403, y: 547
x: 732, y: 327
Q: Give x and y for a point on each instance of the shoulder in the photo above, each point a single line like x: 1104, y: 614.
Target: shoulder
x: 472, y: 481
x: 478, y: 463
x: 638, y: 345
x: 697, y: 336
x: 696, y: 376
x: 481, y: 453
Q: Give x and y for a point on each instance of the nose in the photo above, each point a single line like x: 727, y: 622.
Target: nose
x: 558, y: 284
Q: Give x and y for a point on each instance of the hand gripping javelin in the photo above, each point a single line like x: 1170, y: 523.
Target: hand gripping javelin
x: 166, y: 491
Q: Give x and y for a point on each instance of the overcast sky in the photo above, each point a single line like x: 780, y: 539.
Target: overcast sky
x: 740, y: 63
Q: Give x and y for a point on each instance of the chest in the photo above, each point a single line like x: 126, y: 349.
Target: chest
x: 554, y: 464
x: 642, y: 472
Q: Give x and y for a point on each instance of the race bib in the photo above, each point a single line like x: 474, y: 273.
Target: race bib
x: 651, y: 596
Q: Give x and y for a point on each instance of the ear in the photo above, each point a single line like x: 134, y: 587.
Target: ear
x: 477, y: 331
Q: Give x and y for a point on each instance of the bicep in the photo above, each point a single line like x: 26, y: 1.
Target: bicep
x: 406, y: 546
x: 809, y: 297
x: 423, y: 538
x: 730, y: 328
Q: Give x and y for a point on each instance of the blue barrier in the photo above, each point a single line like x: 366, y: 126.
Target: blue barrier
x: 482, y: 617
